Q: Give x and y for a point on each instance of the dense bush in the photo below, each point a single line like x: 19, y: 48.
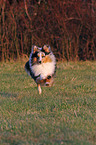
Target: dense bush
x: 69, y: 26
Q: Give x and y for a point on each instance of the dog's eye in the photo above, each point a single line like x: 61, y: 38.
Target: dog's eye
x: 43, y: 55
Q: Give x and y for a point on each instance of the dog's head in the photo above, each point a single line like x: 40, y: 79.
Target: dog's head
x: 37, y: 55
x: 40, y: 55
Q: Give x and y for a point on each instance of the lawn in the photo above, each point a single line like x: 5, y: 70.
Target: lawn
x: 63, y: 114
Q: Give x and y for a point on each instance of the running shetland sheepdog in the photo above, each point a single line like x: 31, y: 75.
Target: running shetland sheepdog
x: 41, y: 66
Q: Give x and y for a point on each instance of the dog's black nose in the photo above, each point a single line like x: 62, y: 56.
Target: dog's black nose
x: 39, y: 61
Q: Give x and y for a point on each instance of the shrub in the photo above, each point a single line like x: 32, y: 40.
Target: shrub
x: 69, y: 26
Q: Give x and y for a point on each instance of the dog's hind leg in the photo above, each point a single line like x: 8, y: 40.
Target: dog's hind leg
x: 39, y: 88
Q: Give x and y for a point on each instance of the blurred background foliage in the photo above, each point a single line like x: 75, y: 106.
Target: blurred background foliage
x: 68, y: 26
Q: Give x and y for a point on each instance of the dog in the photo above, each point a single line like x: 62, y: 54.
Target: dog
x: 41, y: 66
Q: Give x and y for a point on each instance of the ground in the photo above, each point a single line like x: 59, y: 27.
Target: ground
x: 63, y: 114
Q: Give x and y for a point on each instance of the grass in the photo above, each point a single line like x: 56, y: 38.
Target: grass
x: 64, y: 114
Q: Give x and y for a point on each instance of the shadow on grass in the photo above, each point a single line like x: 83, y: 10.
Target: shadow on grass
x: 11, y: 140
x: 8, y: 95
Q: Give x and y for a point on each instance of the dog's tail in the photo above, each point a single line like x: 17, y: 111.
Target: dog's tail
x: 27, y: 68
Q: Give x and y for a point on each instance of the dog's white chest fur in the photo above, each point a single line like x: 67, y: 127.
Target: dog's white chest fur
x: 44, y: 69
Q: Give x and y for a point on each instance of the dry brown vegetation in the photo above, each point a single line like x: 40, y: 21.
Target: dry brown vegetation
x: 69, y: 26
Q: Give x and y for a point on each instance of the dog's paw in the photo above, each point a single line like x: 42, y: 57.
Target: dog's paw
x: 49, y: 77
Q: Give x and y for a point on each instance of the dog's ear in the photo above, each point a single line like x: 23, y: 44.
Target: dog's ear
x: 46, y: 49
x: 34, y: 48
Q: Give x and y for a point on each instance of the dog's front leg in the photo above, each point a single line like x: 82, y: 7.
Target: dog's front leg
x: 39, y: 88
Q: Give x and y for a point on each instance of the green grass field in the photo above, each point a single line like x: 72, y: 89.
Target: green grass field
x: 63, y: 114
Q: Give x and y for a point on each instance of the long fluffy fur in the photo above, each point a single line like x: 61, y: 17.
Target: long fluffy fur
x: 42, y: 72
x: 44, y: 69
